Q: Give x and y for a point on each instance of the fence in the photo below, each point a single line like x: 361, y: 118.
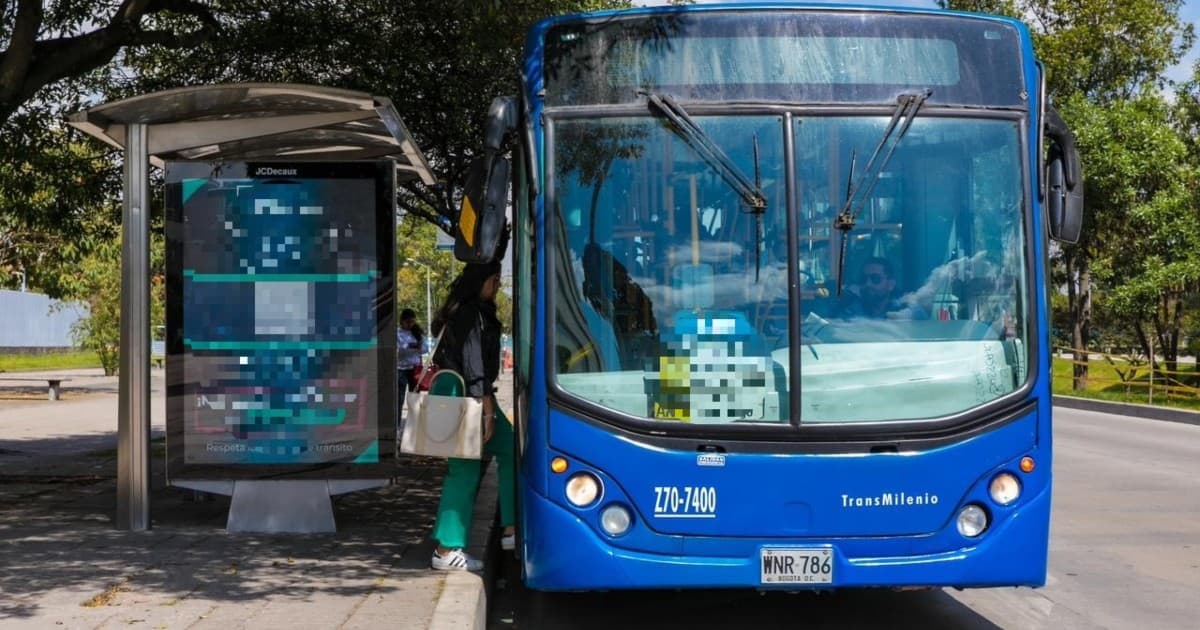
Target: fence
x: 32, y: 321
x: 1130, y: 375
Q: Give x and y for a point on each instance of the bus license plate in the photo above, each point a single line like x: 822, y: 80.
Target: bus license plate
x: 797, y: 566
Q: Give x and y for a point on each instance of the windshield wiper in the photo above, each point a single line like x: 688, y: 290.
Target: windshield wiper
x: 686, y: 128
x: 907, y: 106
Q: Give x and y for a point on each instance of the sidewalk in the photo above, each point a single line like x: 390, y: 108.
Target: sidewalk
x: 64, y: 565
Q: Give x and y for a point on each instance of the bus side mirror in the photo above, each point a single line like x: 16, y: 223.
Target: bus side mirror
x: 480, y: 234
x: 479, y: 237
x: 1064, y: 179
x: 1064, y: 204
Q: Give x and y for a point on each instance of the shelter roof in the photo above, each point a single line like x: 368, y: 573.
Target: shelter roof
x: 260, y: 121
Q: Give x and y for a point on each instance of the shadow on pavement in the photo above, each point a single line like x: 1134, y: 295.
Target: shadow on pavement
x: 513, y: 606
x: 88, y: 453
x: 59, y: 546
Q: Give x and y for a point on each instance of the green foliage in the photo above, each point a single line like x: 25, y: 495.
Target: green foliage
x: 55, y: 58
x: 1105, y: 61
x: 1193, y: 341
x: 441, y: 64
x: 52, y: 191
x: 1187, y: 113
x: 416, y: 248
x: 1007, y: 8
x: 1106, y: 50
x: 1109, y: 49
x: 46, y: 44
x: 1143, y: 234
x: 1131, y: 153
x: 97, y: 282
x: 504, y: 306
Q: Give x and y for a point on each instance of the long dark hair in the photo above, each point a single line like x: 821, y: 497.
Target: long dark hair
x: 464, y: 290
x: 415, y: 330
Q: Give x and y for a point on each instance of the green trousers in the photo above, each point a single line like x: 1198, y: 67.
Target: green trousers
x: 462, y: 478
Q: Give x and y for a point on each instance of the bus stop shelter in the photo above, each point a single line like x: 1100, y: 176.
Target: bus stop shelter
x: 216, y: 123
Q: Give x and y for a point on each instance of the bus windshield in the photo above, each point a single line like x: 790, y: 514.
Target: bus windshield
x: 671, y: 298
x: 808, y: 56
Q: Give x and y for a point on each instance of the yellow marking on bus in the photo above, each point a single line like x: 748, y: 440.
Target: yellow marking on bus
x: 675, y: 377
x: 466, y: 221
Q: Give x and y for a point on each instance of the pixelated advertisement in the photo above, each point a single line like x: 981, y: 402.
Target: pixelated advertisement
x: 280, y: 326
x: 712, y: 369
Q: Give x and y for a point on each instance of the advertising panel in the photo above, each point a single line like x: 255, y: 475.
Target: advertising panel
x: 280, y: 320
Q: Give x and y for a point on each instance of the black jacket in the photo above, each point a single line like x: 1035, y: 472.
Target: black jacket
x: 470, y: 345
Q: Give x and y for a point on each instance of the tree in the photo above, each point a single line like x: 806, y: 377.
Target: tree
x: 1142, y: 199
x: 48, y: 41
x: 1154, y: 262
x: 440, y: 63
x: 1107, y: 50
x: 1097, y: 53
x: 1187, y: 113
x: 96, y: 281
x: 54, y: 193
x: 415, y: 247
x: 99, y: 283
x: 54, y: 57
x: 416, y: 241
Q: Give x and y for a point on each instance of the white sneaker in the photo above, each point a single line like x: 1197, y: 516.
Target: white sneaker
x: 455, y: 560
x: 508, y: 542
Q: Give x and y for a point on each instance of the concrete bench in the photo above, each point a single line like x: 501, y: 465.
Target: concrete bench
x: 55, y: 383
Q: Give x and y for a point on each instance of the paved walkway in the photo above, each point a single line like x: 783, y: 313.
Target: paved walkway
x: 64, y: 565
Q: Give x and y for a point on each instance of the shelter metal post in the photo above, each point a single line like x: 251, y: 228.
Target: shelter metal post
x: 133, y: 420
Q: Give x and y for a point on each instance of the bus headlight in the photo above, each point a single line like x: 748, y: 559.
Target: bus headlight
x: 972, y: 520
x: 583, y: 489
x: 1004, y: 488
x: 615, y: 520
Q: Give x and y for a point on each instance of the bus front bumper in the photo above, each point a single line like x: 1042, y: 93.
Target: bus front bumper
x: 563, y: 553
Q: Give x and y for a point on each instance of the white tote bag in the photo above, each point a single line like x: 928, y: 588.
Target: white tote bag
x: 442, y: 426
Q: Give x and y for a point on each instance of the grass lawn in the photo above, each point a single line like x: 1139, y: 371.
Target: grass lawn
x: 1104, y: 383
x: 56, y: 361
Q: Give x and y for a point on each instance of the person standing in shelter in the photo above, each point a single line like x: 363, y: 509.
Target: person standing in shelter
x: 470, y: 345
x: 409, y: 338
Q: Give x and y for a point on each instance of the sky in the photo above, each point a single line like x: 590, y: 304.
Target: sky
x: 1190, y: 12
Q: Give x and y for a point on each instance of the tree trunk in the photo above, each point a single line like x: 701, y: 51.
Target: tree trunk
x: 1144, y: 339
x: 1171, y: 341
x: 1079, y: 296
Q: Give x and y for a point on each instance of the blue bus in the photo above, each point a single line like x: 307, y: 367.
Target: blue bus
x: 780, y: 296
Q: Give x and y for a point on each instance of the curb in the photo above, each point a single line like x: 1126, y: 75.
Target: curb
x: 462, y: 603
x: 1129, y: 409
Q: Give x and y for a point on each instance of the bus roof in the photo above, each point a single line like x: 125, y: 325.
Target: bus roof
x: 970, y: 60
x: 546, y: 23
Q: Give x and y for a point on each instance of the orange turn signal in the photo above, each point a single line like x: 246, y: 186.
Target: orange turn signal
x: 559, y: 465
x: 1027, y: 464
